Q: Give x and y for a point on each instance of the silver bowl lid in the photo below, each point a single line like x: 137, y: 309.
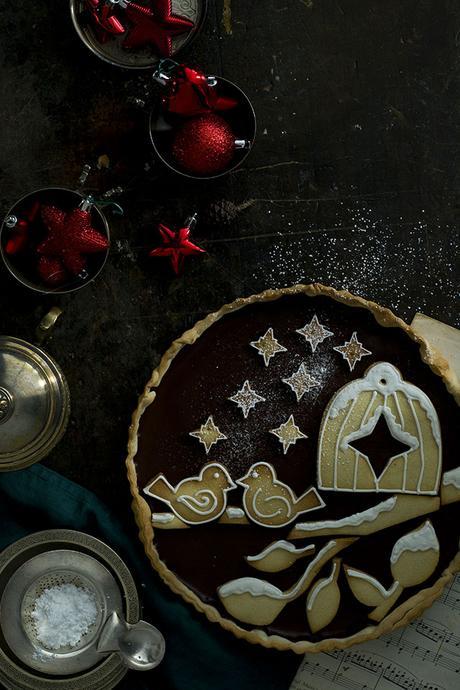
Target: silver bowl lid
x: 34, y: 403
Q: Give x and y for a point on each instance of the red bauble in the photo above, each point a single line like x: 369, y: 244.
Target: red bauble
x: 51, y: 271
x: 204, y: 145
x: 18, y: 238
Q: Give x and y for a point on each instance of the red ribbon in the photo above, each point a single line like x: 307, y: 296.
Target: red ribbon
x: 190, y: 94
x: 106, y: 22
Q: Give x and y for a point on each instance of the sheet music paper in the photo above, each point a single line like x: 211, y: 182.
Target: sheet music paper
x: 423, y: 656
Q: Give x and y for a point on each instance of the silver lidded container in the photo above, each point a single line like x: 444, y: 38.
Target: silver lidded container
x: 34, y: 403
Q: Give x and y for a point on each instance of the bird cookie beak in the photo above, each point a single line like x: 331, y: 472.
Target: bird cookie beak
x: 241, y: 481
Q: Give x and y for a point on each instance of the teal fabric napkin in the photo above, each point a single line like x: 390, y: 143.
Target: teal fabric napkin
x: 200, y: 655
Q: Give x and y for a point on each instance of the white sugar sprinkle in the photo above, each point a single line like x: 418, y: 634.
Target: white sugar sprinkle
x: 63, y: 614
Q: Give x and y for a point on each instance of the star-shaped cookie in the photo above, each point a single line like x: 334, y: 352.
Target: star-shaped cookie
x: 352, y: 350
x: 314, y: 333
x: 268, y: 346
x: 246, y: 398
x: 208, y: 434
x: 288, y: 433
x: 301, y: 382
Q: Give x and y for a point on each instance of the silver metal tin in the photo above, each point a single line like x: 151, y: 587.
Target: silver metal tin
x: 50, y: 569
x: 53, y: 195
x: 14, y: 674
x: 34, y: 403
x: 242, y: 118
x: 144, y: 58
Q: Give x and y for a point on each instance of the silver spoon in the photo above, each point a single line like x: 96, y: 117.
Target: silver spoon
x: 140, y: 646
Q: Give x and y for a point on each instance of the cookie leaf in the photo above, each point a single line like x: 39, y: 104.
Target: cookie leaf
x: 415, y: 556
x: 366, y: 589
x: 324, y: 599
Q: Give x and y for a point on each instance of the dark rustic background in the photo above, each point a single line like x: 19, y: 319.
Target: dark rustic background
x: 353, y: 181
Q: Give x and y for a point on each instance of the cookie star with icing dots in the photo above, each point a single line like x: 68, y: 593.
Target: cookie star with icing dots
x: 268, y: 346
x: 314, y: 333
x: 246, y: 398
x: 288, y: 433
x: 301, y: 382
x: 352, y: 350
x: 208, y: 434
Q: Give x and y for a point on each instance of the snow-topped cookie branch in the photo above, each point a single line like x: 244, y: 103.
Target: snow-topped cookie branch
x: 258, y: 602
x: 413, y: 560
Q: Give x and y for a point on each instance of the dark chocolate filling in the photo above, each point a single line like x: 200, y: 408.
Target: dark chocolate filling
x: 199, y: 382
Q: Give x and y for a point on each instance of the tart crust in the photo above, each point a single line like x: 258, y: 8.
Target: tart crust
x: 402, y: 614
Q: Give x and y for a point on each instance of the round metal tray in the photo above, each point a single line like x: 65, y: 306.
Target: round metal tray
x: 16, y: 675
x: 142, y: 58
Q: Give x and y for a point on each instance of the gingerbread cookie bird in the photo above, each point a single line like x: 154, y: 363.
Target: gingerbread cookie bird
x: 195, y: 500
x: 270, y: 503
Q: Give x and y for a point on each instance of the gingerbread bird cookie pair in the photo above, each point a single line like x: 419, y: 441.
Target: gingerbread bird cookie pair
x: 266, y: 500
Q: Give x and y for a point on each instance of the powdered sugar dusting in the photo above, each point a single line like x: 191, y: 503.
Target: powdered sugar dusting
x: 63, y: 614
x: 360, y: 256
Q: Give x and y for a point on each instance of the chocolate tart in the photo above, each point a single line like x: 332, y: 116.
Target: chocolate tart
x: 294, y: 464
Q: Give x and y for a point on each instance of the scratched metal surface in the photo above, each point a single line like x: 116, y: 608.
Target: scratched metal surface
x: 353, y: 181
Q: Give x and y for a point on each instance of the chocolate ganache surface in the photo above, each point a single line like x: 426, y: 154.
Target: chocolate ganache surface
x: 199, y: 382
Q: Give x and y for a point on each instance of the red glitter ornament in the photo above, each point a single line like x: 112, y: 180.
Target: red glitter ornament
x: 70, y: 237
x: 176, y: 245
x: 190, y: 93
x: 156, y: 27
x: 51, y: 271
x: 19, y: 236
x: 204, y: 145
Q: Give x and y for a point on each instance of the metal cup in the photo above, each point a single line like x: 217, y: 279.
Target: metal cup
x: 142, y: 58
x: 34, y: 401
x: 242, y: 118
x: 23, y: 266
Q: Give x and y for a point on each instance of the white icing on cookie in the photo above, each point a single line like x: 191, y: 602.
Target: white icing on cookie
x: 452, y: 478
x: 354, y: 520
x: 358, y: 574
x: 235, y: 513
x: 422, y: 539
x: 258, y: 588
x: 373, y: 380
x: 203, y: 502
x: 267, y: 346
x: 162, y: 518
x: 395, y: 428
x: 327, y: 581
x: 282, y: 545
x: 252, y: 586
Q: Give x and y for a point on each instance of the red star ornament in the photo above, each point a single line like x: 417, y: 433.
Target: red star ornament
x: 70, y: 237
x: 176, y: 246
x: 156, y: 27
